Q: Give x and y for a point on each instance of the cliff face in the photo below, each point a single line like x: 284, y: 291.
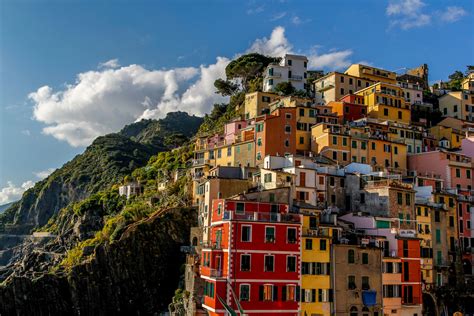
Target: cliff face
x: 135, y: 275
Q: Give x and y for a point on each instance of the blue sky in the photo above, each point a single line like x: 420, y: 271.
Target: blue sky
x: 73, y: 70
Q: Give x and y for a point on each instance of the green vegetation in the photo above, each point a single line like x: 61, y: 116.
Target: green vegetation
x: 457, y: 77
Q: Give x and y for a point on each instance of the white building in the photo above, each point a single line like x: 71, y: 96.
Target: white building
x: 292, y: 68
x: 130, y: 189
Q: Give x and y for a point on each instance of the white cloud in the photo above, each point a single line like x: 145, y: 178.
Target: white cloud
x: 43, y: 174
x: 26, y: 132
x: 276, y: 45
x: 112, y: 64
x: 296, y: 20
x: 332, y: 60
x: 12, y: 193
x: 408, y: 14
x: 255, y: 10
x: 278, y: 16
x: 452, y: 14
x: 103, y: 101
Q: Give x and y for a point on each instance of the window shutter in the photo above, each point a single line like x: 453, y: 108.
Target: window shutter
x: 283, y: 293
x: 298, y: 293
x: 313, y: 295
x: 328, y: 268
x: 260, y: 293
x: 275, y: 293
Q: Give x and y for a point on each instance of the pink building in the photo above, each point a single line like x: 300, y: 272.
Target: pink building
x: 232, y: 130
x: 467, y: 146
x: 454, y: 168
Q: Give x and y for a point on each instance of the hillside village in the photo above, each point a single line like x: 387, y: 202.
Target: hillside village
x: 348, y: 194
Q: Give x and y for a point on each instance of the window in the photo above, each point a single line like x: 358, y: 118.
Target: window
x: 301, y: 112
x: 291, y: 264
x: 399, y: 198
x: 240, y: 208
x: 269, y: 263
x: 244, y: 292
x: 458, y: 173
x: 229, y: 151
x: 350, y: 256
x: 334, y: 140
x: 288, y: 293
x: 342, y: 90
x: 438, y: 236
x: 437, y: 216
x: 344, y: 141
x: 354, y: 144
x: 400, y: 115
x: 244, y: 262
x: 259, y: 142
x: 353, y: 311
x: 385, y: 112
x: 311, y: 113
x: 291, y: 237
x: 219, y: 153
x: 209, y: 289
x: 246, y: 233
x: 373, y: 145
x: 309, y: 244
x: 365, y: 283
x: 287, y: 143
x: 266, y: 293
x: 365, y: 258
x: 342, y: 79
x: 301, y: 140
x: 351, y: 282
x: 287, y: 128
x: 270, y: 234
x: 289, y: 62
x: 407, y: 199
x: 322, y: 244
x: 267, y: 177
x: 468, y: 174
x: 334, y: 155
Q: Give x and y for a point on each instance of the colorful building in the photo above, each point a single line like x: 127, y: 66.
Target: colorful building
x: 254, y: 252
x: 372, y: 73
x: 386, y: 102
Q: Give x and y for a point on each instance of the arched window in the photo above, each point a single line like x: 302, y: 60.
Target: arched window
x: 353, y: 311
x: 350, y: 256
x: 365, y: 311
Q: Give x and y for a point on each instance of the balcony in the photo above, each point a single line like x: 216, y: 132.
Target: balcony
x: 295, y: 77
x: 316, y: 232
x: 212, y: 245
x: 327, y: 86
x: 411, y: 301
x: 200, y: 162
x: 261, y: 217
x: 274, y: 74
x: 215, y: 273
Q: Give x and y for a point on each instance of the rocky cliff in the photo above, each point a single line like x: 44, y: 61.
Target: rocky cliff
x: 134, y: 275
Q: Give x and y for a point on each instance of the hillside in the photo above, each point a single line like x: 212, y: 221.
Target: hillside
x: 103, y: 163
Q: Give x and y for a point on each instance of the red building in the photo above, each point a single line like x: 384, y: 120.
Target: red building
x: 255, y: 253
x: 409, y: 253
x: 349, y: 108
x: 464, y: 230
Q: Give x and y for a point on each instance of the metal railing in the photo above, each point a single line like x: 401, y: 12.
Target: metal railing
x: 261, y: 217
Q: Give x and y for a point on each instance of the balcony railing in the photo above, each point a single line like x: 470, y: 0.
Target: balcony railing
x: 296, y: 77
x: 215, y: 273
x: 212, y: 245
x: 274, y: 75
x: 261, y: 217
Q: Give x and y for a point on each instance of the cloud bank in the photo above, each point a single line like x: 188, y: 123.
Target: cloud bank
x: 103, y: 100
x: 12, y: 193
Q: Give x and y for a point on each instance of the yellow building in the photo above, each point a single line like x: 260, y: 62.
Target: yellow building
x: 331, y: 141
x: 386, y: 102
x: 372, y: 73
x: 345, y: 145
x: 450, y: 202
x: 424, y: 229
x: 335, y: 85
x: 449, y: 133
x: 468, y: 83
x: 458, y: 104
x: 257, y: 103
x: 316, y: 280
